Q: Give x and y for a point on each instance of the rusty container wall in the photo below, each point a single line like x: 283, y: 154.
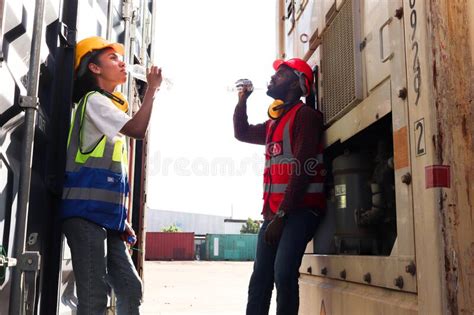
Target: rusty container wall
x: 169, y: 246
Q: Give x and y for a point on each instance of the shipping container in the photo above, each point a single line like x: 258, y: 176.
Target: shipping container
x: 169, y: 246
x: 235, y: 247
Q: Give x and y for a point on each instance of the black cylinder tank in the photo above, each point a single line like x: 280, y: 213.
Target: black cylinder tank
x: 352, y: 178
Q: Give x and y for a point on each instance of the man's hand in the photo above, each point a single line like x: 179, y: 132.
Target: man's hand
x: 244, y: 94
x: 274, y: 230
x: 154, y: 77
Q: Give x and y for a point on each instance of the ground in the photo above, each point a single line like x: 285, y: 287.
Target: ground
x: 197, y: 288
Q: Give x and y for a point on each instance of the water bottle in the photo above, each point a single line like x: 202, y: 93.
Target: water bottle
x: 137, y: 71
x: 244, y: 85
x: 131, y: 239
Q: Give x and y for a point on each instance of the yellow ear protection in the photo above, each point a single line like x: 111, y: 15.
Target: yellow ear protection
x: 276, y: 109
x: 117, y: 98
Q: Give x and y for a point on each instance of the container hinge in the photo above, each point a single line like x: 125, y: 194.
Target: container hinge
x: 67, y: 35
x: 29, y: 261
x: 29, y: 102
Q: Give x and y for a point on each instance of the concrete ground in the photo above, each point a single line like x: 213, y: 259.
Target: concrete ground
x: 197, y: 288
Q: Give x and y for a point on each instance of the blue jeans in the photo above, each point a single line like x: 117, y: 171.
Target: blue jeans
x: 280, y: 264
x: 100, y: 258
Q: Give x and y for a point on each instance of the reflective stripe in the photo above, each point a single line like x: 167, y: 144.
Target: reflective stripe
x: 287, y: 152
x: 92, y: 194
x: 117, y: 153
x: 287, y: 160
x: 280, y: 188
x: 98, y: 152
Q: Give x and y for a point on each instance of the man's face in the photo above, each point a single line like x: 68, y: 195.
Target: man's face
x: 281, y: 82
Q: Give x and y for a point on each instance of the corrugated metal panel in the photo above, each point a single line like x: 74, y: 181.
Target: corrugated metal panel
x: 341, y: 63
x: 169, y: 246
x: 236, y: 247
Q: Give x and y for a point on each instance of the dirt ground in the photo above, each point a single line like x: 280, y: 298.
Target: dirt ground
x: 197, y: 288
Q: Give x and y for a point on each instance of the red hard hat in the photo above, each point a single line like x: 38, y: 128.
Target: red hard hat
x: 299, y: 65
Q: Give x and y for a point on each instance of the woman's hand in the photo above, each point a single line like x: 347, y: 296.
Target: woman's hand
x: 128, y: 234
x: 154, y: 77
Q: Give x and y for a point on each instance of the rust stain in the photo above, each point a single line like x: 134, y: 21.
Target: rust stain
x: 400, y: 144
x: 464, y: 127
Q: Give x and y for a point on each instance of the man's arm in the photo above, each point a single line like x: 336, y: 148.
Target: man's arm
x: 245, y: 132
x: 306, y: 138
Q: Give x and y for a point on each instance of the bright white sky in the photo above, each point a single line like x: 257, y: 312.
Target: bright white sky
x: 195, y: 163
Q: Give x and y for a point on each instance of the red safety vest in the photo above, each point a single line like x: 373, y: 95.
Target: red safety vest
x: 280, y: 164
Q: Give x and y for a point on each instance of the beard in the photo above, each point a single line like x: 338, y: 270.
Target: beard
x: 277, y: 91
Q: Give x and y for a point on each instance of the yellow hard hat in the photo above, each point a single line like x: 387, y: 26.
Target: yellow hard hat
x: 89, y: 44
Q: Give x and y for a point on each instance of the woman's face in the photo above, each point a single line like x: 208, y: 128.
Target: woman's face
x: 110, y: 67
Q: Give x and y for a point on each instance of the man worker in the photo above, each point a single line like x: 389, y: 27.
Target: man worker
x: 293, y: 184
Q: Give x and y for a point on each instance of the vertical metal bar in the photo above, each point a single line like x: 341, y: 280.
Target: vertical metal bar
x: 2, y: 9
x: 17, y: 305
x: 110, y: 8
x: 144, y: 31
x: 127, y: 17
x: 154, y: 14
x: 129, y: 53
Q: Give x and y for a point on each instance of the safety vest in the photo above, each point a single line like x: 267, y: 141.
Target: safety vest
x: 280, y: 164
x: 96, y: 184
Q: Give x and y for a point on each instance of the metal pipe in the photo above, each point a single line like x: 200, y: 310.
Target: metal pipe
x: 154, y: 14
x: 127, y: 17
x: 144, y: 31
x: 110, y: 8
x: 129, y: 52
x: 17, y: 304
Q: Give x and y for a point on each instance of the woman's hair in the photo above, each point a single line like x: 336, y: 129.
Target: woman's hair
x: 85, y: 81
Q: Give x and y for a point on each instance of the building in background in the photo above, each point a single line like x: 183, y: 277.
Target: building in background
x: 200, y: 224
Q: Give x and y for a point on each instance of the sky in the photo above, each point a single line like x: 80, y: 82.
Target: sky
x: 195, y: 164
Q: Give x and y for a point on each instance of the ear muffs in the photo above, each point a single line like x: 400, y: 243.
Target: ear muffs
x: 276, y: 109
x: 118, y: 99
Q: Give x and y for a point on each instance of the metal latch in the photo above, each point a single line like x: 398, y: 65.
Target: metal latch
x: 29, y: 102
x: 7, y: 262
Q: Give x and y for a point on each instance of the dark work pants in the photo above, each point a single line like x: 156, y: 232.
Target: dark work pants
x: 280, y: 264
x: 100, y: 258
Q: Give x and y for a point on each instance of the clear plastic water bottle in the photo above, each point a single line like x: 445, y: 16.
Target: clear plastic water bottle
x: 137, y: 71
x: 244, y: 84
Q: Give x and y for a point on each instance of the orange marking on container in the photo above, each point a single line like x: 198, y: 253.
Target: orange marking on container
x: 400, y: 148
